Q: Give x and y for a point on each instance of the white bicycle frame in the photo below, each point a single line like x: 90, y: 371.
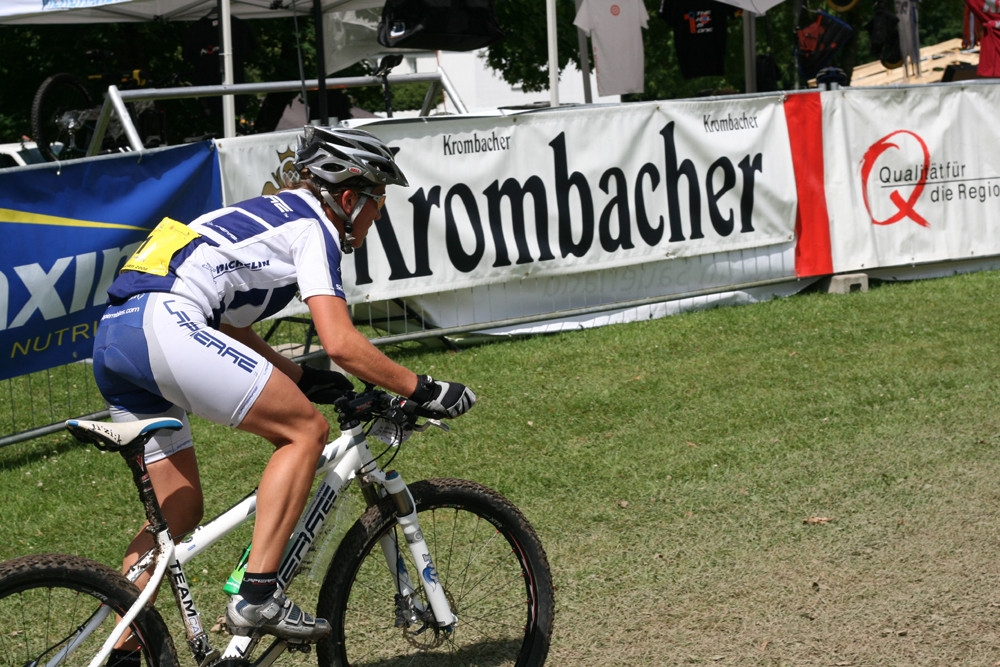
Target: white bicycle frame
x: 342, y: 460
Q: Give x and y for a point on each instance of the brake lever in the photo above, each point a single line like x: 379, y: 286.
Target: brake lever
x: 406, y: 417
x: 420, y: 428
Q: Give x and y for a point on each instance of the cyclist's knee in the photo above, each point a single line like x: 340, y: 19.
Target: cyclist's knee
x: 316, y: 432
x: 312, y: 434
x: 308, y: 435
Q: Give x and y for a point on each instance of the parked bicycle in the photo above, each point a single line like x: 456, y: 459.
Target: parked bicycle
x: 484, y: 598
x: 65, y: 110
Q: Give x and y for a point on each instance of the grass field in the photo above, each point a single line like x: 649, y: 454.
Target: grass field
x: 808, y: 481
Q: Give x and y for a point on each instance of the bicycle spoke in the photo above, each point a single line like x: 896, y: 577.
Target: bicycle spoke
x: 482, y: 576
x: 58, y: 610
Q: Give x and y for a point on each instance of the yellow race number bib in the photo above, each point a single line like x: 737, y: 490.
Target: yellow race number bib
x: 154, y: 255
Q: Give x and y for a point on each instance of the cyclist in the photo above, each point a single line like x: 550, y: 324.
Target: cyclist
x: 176, y: 338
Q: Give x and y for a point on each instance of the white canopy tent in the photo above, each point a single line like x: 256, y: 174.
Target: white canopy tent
x: 15, y: 12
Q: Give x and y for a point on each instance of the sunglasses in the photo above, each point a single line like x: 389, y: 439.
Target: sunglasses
x: 378, y: 199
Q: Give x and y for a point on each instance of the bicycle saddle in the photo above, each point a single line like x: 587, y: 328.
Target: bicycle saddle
x: 114, y: 437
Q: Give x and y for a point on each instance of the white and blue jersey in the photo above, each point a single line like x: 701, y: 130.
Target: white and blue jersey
x: 249, y: 260
x: 158, y: 350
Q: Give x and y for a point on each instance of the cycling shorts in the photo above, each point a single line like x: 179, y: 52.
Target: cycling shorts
x: 155, y: 355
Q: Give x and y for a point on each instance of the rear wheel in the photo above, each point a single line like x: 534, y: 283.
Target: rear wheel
x: 489, y: 562
x: 58, y: 610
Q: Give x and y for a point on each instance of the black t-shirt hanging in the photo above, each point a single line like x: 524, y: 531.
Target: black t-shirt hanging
x: 201, y: 49
x: 203, y: 44
x: 699, y: 35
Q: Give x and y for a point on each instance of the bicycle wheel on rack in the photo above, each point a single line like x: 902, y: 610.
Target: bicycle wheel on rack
x: 489, y: 562
x: 58, y: 610
x: 62, y: 117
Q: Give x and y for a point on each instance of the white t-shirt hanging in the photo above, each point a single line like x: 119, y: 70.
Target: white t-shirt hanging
x: 615, y: 28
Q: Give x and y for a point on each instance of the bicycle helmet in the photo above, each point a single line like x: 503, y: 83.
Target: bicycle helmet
x: 344, y: 157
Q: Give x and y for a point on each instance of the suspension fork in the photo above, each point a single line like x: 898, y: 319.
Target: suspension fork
x: 393, y: 559
x: 406, y: 517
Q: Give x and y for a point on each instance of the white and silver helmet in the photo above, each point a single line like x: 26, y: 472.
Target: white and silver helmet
x: 344, y: 157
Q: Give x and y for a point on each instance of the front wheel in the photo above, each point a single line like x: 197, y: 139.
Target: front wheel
x: 62, y: 115
x: 58, y: 610
x: 487, y: 558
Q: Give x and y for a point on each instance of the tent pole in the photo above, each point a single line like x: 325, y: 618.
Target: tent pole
x: 550, y: 19
x: 324, y: 114
x: 750, y: 50
x: 581, y: 45
x: 228, y: 101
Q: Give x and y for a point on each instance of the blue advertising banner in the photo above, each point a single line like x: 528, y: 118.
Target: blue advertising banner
x: 67, y: 230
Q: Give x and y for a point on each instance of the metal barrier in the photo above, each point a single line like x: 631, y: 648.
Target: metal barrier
x: 115, y: 100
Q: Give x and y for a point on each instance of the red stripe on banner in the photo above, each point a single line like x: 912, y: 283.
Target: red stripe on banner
x: 804, y: 115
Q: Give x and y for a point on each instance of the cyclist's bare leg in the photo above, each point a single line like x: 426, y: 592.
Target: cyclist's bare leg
x: 285, y: 417
x: 178, y: 490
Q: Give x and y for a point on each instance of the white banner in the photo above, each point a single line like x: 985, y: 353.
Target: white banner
x: 499, y: 199
x: 910, y: 175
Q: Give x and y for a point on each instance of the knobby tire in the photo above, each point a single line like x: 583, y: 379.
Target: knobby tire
x: 45, y: 599
x: 489, y: 561
x: 60, y: 94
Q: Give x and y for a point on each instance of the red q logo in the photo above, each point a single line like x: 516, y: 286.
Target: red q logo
x: 615, y: 10
x: 914, y: 176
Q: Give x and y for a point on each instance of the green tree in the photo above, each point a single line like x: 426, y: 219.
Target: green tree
x: 521, y: 57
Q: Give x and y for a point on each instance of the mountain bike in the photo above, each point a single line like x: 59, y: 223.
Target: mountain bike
x: 64, y: 113
x: 485, y: 597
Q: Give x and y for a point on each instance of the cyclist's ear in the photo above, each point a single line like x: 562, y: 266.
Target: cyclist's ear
x: 349, y: 199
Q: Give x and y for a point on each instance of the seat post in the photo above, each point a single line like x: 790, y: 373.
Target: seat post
x: 136, y: 461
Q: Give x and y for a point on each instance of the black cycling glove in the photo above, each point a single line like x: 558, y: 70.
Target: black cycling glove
x: 323, y: 386
x: 442, y: 399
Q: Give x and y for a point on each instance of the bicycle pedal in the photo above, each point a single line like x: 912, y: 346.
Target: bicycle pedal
x: 298, y: 645
x: 238, y: 632
x: 252, y: 633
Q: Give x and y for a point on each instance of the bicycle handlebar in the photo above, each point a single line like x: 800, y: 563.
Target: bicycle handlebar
x: 355, y: 408
x: 362, y: 407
